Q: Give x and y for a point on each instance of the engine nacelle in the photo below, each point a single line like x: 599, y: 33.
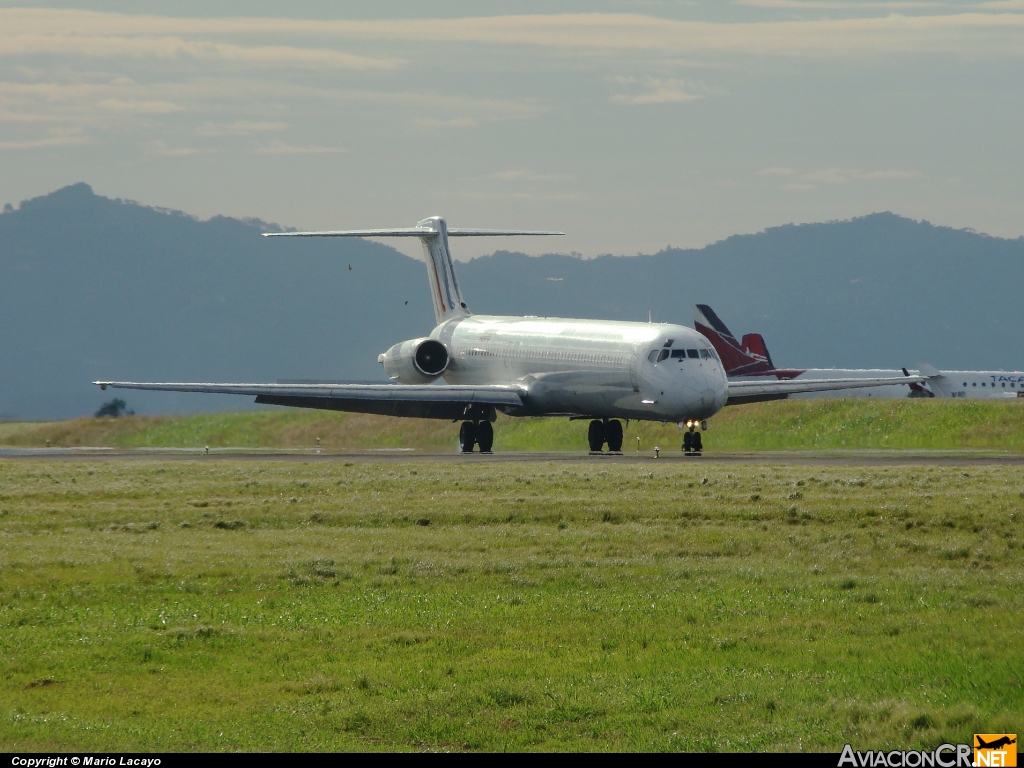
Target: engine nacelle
x: 419, y: 361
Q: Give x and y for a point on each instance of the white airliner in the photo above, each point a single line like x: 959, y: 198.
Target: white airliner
x: 471, y: 366
x: 749, y: 359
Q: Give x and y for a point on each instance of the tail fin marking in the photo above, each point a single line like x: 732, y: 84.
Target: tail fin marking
x: 748, y: 358
x: 444, y: 286
x: 754, y: 344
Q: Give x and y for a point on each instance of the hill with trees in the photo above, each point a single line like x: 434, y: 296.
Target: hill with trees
x: 92, y: 287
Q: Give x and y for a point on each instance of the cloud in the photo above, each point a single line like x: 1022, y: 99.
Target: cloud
x: 524, y: 174
x: 50, y: 141
x: 107, y: 34
x: 139, y: 107
x: 240, y: 128
x: 277, y: 147
x: 829, y: 5
x: 888, y: 175
x: 653, y: 91
x: 23, y: 117
x: 543, y: 197
x: 812, y: 179
x: 104, y: 102
x: 161, y: 148
x: 840, y: 175
x: 175, y: 47
x: 455, y: 122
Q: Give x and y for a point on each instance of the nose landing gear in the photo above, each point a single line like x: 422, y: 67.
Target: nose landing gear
x: 476, y: 433
x: 607, y: 431
x: 691, y: 440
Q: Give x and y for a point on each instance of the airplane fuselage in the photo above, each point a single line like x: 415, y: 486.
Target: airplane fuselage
x: 982, y: 385
x: 651, y: 371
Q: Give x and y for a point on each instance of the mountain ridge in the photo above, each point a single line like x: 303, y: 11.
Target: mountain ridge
x: 92, y: 287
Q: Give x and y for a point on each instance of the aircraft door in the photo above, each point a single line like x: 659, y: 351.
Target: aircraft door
x: 633, y: 378
x: 511, y: 352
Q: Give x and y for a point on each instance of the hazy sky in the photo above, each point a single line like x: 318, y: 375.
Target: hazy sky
x: 628, y: 124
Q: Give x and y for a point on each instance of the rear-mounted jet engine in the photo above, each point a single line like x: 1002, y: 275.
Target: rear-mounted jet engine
x: 419, y: 361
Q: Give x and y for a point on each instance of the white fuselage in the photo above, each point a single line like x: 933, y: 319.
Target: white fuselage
x: 591, y: 368
x: 987, y: 385
x: 996, y: 385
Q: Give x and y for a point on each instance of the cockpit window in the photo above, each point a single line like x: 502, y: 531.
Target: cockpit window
x: 678, y: 353
x: 704, y: 354
x: 692, y: 353
x: 663, y: 355
x: 657, y: 355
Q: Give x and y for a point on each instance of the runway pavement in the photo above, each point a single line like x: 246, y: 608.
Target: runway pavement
x: 398, y: 456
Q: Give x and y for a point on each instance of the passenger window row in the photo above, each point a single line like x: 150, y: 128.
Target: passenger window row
x: 547, y: 354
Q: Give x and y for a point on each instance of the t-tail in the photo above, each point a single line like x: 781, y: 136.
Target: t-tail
x: 444, y: 285
x: 741, y: 358
x: 433, y: 232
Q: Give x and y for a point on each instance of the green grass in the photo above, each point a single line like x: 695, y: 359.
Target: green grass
x: 782, y: 425
x: 194, y: 605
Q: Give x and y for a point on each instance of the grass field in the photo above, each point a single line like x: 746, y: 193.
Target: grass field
x: 257, y: 605
x: 781, y: 425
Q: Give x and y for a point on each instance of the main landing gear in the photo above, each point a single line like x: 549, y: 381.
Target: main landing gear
x: 473, y: 433
x: 607, y: 431
x: 691, y: 440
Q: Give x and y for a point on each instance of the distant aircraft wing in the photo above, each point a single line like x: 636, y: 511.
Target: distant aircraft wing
x: 757, y: 391
x: 429, y: 401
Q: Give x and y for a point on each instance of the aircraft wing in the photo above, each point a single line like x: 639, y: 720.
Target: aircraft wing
x: 754, y: 391
x: 429, y: 401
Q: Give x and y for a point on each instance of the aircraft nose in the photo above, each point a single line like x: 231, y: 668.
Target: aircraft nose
x: 708, y: 398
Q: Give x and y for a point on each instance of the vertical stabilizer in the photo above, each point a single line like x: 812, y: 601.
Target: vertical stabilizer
x: 444, y: 286
x: 749, y: 358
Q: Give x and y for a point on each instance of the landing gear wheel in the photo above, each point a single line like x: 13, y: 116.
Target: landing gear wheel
x: 613, y: 432
x: 485, y: 436
x: 692, y: 443
x: 467, y: 436
x: 595, y: 436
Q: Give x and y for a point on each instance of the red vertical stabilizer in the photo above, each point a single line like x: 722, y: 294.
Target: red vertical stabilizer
x: 747, y: 359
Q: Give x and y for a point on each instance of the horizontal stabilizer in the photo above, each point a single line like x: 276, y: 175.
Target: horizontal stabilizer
x: 403, y: 232
x: 433, y: 233
x: 413, y: 232
x: 456, y: 232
